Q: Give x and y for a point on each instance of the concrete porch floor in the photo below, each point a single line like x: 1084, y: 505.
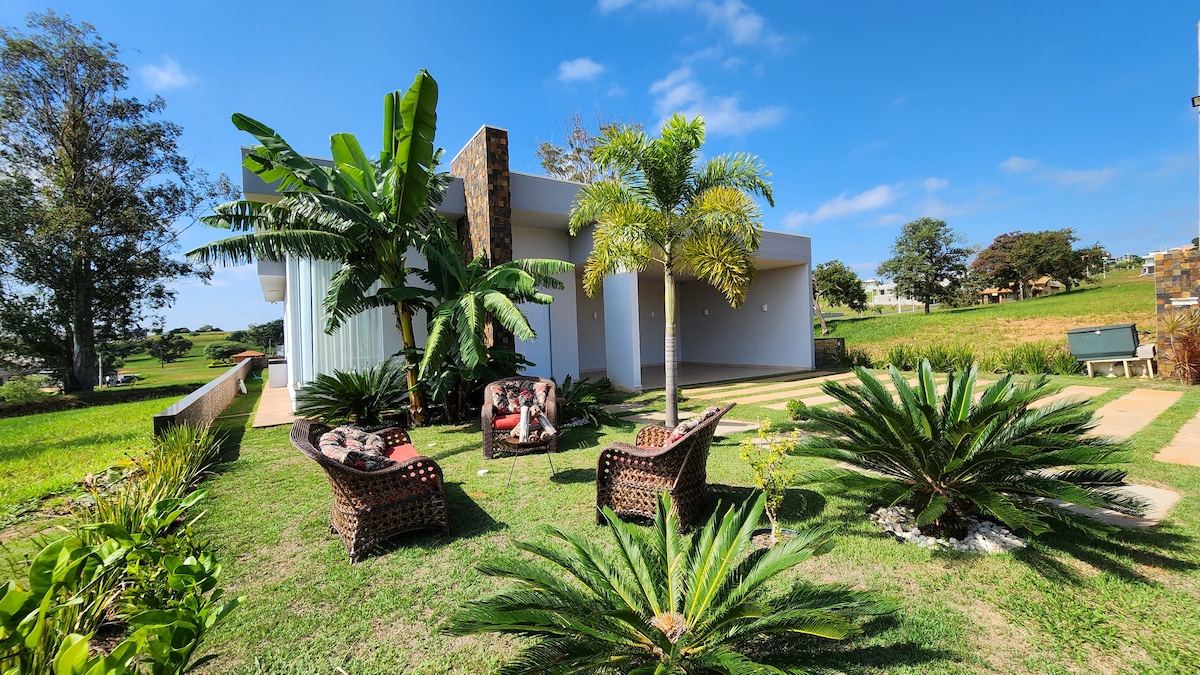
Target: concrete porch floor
x: 653, y: 377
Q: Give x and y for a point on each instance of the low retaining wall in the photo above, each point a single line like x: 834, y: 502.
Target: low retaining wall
x: 203, y: 405
x: 828, y: 351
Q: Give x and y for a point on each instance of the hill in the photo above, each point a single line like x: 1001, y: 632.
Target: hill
x: 1124, y: 297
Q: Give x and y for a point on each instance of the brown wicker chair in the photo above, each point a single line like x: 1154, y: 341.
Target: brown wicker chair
x: 372, y: 506
x: 629, y: 478
x: 491, y: 436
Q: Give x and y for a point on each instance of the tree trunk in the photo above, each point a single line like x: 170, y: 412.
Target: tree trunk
x: 83, y: 336
x: 820, y: 316
x: 416, y: 401
x: 670, y: 358
x: 926, y: 301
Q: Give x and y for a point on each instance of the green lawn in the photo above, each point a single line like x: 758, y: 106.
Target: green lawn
x: 1064, y: 605
x: 1125, y: 297
x: 192, y: 368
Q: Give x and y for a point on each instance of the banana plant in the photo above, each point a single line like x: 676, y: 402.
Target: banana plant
x: 363, y: 213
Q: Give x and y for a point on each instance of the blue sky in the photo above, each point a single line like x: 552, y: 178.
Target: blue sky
x: 992, y: 116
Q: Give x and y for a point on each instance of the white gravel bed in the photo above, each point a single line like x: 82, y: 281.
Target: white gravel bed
x: 982, y: 536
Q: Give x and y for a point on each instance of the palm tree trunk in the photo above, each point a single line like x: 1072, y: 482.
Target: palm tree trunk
x: 416, y: 402
x: 670, y: 358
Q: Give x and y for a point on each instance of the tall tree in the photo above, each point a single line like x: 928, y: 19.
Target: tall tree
x: 837, y: 284
x: 927, y: 261
x: 92, y: 183
x: 575, y: 159
x: 666, y: 207
x: 361, y: 212
x: 997, y: 264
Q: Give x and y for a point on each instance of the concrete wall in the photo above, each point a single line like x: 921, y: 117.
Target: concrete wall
x: 561, y: 340
x: 780, y: 336
x: 206, y: 403
x: 590, y: 325
x: 653, y: 321
x: 622, y: 338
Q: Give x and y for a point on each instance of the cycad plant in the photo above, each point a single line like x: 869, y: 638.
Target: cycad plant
x: 366, y: 398
x: 949, y: 457
x: 662, y: 602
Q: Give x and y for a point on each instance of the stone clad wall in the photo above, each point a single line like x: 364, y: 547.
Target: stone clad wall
x: 206, y: 403
x: 1176, y: 277
x: 486, y: 229
x: 828, y: 351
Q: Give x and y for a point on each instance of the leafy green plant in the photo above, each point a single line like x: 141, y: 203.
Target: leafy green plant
x: 222, y: 350
x: 1182, y: 349
x: 950, y: 458
x: 854, y: 356
x: 582, y: 399
x: 1063, y: 362
x: 903, y: 357
x: 768, y: 459
x: 796, y: 410
x: 364, y: 397
x: 23, y: 389
x: 662, y: 602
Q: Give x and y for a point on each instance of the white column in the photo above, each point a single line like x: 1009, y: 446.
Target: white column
x: 622, y: 331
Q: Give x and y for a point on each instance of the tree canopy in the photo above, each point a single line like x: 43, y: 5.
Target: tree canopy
x: 928, y: 261
x: 576, y: 158
x: 91, y: 185
x: 1014, y: 259
x: 837, y: 284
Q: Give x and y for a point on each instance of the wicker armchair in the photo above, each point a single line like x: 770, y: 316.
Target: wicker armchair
x: 372, y: 506
x: 491, y: 435
x: 630, y: 477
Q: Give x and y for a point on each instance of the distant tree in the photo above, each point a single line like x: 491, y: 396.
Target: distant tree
x: 239, y: 336
x: 1196, y: 242
x: 266, y: 335
x: 837, y: 284
x: 221, y: 350
x: 91, y: 184
x: 997, y: 266
x: 928, y: 261
x: 576, y: 159
x: 180, y: 331
x: 168, y: 348
x: 206, y: 328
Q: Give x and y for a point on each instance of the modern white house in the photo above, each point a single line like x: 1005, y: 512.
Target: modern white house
x: 884, y: 293
x: 619, y: 333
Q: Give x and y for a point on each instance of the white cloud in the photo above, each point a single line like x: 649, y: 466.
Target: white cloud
x: 581, y: 68
x: 1019, y: 165
x: 680, y: 92
x: 934, y: 184
x: 891, y: 219
x: 1080, y: 179
x: 744, y: 25
x: 610, y: 5
x: 843, y: 205
x: 166, y: 76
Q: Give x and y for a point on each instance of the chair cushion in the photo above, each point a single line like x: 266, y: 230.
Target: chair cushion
x: 691, y: 423
x: 511, y: 421
x: 508, y: 397
x: 401, y: 453
x: 355, y: 448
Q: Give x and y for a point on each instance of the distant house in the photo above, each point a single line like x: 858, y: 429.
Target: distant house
x: 1037, y: 289
x: 884, y: 293
x: 996, y: 295
x: 1045, y: 286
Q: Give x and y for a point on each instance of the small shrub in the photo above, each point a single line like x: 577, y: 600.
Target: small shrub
x: 938, y: 356
x: 797, y: 411
x: 364, y: 397
x: 1182, y: 350
x: 581, y: 399
x: 1063, y: 362
x: 855, y: 357
x: 770, y: 475
x: 902, y: 357
x: 961, y: 357
x: 1033, y: 358
x: 23, y: 389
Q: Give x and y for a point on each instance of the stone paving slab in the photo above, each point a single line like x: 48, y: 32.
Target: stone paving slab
x: 791, y: 377
x: 1158, y: 503
x: 754, y: 388
x: 1074, y: 391
x: 1129, y: 414
x: 1185, y: 447
x: 724, y: 428
x: 274, y: 408
x: 619, y: 409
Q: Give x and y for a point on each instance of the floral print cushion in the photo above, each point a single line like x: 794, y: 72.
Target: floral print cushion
x: 691, y: 423
x: 507, y: 398
x: 355, y: 448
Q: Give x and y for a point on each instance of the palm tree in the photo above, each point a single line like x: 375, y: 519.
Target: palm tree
x: 465, y: 294
x: 663, y: 602
x: 950, y: 458
x: 666, y: 207
x: 363, y: 213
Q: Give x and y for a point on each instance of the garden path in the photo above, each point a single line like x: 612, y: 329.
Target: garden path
x: 1185, y: 447
x: 1073, y: 391
x: 1127, y: 415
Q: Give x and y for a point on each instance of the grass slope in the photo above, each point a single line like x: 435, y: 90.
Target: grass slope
x: 1125, y: 297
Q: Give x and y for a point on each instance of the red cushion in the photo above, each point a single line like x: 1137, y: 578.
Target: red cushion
x: 401, y: 453
x: 506, y: 421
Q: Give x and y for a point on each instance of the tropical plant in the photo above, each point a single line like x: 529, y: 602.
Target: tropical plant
x: 662, y: 602
x: 667, y: 207
x: 855, y: 356
x: 361, y: 212
x: 797, y: 410
x: 903, y: 357
x: 768, y: 459
x: 366, y: 397
x: 465, y: 295
x: 582, y: 399
x: 950, y: 458
x: 1062, y: 362
x: 1182, y: 350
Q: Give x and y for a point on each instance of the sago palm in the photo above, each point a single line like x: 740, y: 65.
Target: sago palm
x: 361, y: 212
x: 949, y: 457
x: 662, y: 602
x: 665, y: 206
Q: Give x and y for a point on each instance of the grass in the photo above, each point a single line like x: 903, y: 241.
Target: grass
x: 192, y: 368
x: 1125, y: 297
x: 1065, y: 604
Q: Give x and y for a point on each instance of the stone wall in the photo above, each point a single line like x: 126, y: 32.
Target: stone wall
x: 486, y: 229
x: 1176, y: 281
x: 828, y: 351
x: 203, y: 405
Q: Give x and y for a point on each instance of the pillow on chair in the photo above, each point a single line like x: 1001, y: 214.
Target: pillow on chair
x: 355, y: 448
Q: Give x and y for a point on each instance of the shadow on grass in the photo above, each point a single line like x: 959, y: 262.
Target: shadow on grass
x: 573, y: 476
x: 799, y: 505
x: 467, y: 520
x: 1121, y: 554
x: 851, y: 656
